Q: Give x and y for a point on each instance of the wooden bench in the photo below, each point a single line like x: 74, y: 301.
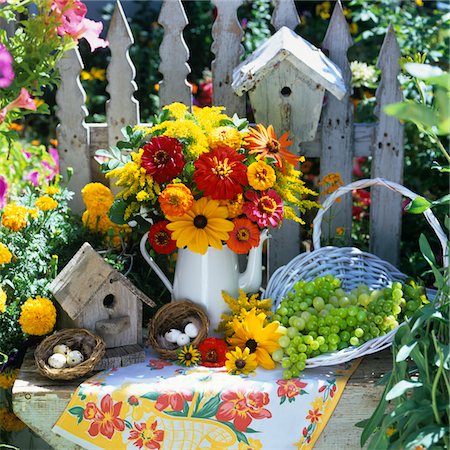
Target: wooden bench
x: 39, y: 402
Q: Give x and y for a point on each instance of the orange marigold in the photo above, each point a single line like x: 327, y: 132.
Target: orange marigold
x: 14, y: 217
x: 176, y: 200
x: 46, y: 203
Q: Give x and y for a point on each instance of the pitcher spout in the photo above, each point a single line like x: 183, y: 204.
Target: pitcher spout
x: 250, y: 280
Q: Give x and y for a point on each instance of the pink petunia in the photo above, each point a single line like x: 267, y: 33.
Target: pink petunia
x: 3, y: 191
x: 6, y: 69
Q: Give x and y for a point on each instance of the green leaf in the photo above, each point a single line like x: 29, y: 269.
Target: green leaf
x: 423, y: 116
x: 103, y: 152
x: 426, y: 437
x: 423, y: 71
x: 405, y: 351
x: 282, y: 400
x: 426, y: 250
x: 401, y: 387
x: 151, y: 396
x: 445, y: 200
x: 176, y: 413
x: 77, y: 411
x: 117, y: 211
x: 128, y: 424
x: 210, y: 408
x: 418, y: 205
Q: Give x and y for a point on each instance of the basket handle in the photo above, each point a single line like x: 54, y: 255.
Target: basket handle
x: 360, y: 184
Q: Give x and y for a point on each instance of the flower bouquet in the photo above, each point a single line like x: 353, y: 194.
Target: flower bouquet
x: 202, y: 179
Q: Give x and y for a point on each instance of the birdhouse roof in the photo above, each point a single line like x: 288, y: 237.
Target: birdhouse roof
x: 285, y: 45
x: 76, y: 285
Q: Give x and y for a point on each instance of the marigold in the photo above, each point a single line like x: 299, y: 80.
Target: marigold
x: 9, y: 421
x: 225, y: 137
x: 38, y: 316
x: 176, y: 200
x: 8, y: 377
x: 241, y: 361
x: 46, y: 203
x: 5, y: 254
x: 97, y: 197
x: 14, y: 217
x: 244, y: 236
x: 2, y: 300
x: 234, y: 206
x: 33, y: 212
x: 261, y: 176
x: 52, y: 190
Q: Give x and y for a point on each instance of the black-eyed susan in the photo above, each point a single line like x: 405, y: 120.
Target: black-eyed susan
x: 188, y: 356
x: 259, y: 339
x: 239, y: 361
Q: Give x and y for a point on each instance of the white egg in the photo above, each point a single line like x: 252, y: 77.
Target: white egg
x: 183, y: 339
x: 74, y: 357
x: 57, y: 360
x: 172, y: 335
x: 191, y: 330
x: 61, y: 348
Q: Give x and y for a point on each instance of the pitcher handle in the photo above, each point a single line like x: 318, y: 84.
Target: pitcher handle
x: 153, y: 264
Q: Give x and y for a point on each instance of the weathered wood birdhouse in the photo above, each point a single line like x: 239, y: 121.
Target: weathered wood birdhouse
x: 95, y: 296
x: 286, y: 78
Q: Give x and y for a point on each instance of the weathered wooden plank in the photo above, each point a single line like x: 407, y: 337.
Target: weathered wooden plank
x: 337, y: 123
x: 387, y: 161
x: 285, y: 15
x: 227, y: 34
x: 122, y: 108
x: 174, y: 54
x: 72, y: 132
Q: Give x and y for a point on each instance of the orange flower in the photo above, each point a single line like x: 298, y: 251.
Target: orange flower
x: 176, y: 200
x: 264, y: 142
x: 314, y: 415
x: 340, y: 231
x: 244, y: 236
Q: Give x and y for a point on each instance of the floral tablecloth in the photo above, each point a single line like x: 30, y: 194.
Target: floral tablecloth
x: 160, y: 405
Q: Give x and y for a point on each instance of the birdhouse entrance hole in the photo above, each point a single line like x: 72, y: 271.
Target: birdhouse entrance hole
x: 109, y: 301
x: 286, y: 91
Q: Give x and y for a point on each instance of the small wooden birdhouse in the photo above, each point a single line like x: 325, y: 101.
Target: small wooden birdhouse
x: 286, y: 78
x: 97, y: 297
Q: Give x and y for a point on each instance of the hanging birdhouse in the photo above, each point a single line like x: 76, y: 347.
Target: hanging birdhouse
x: 95, y: 296
x: 286, y: 78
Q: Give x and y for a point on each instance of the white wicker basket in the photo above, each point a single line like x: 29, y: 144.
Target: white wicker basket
x: 351, y: 265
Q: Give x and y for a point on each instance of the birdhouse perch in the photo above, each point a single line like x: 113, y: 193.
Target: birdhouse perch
x: 286, y: 78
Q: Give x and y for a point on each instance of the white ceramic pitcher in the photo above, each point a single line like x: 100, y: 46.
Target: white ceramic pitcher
x: 202, y: 278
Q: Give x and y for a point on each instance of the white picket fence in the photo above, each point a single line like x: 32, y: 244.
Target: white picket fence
x: 338, y: 140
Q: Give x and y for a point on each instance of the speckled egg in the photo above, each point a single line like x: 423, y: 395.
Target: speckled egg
x: 74, y: 357
x: 57, y: 360
x: 61, y: 348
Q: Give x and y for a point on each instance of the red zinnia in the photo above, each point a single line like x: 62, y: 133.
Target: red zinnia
x: 213, y: 351
x: 163, y: 158
x: 244, y: 236
x: 160, y: 238
x: 221, y: 173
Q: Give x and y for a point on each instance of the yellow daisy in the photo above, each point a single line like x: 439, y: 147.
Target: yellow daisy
x: 239, y: 361
x: 188, y: 356
x: 204, y: 225
x: 259, y: 339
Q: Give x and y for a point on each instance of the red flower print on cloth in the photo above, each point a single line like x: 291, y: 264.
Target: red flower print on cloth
x: 106, y: 419
x: 328, y: 389
x: 242, y: 407
x: 174, y: 400
x: 314, y: 415
x: 290, y: 388
x: 146, y: 435
x: 158, y: 364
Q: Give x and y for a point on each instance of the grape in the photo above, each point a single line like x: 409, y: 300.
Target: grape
x: 277, y: 355
x: 284, y: 341
x: 287, y: 374
x: 359, y: 332
x: 318, y: 303
x: 354, y: 341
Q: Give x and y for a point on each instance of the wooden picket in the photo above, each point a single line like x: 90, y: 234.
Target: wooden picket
x: 337, y: 142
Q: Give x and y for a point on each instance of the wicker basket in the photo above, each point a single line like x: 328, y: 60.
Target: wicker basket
x: 91, y: 346
x: 176, y: 315
x: 351, y: 265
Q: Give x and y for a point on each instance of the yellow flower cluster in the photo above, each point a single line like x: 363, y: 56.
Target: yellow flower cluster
x: 5, y: 254
x: 98, y: 200
x: 9, y: 421
x: 2, y: 300
x: 7, y: 378
x: 209, y: 117
x: 52, y: 190
x: 38, y: 316
x: 14, y: 217
x: 239, y: 308
x: 177, y: 110
x: 46, y: 203
x: 225, y: 136
x: 331, y: 182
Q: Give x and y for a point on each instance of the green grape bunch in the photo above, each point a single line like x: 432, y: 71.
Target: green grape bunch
x: 318, y: 316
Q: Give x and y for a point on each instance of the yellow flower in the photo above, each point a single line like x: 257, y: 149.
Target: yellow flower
x: 33, y: 212
x: 52, y: 190
x: 46, y: 203
x: 340, y: 231
x: 5, y: 254
x: 8, y: 377
x: 176, y: 200
x: 225, y: 137
x: 261, y: 340
x: 85, y: 75
x: 177, y: 110
x: 9, y: 421
x: 142, y: 196
x: 36, y: 142
x: 390, y: 431
x: 239, y: 361
x: 209, y: 117
x: 419, y: 2
x: 14, y: 217
x: 261, y: 176
x: 317, y: 403
x: 353, y: 28
x: 323, y: 10
x: 98, y: 74
x: 253, y: 444
x: 204, y: 225
x: 234, y: 206
x: 2, y: 300
x: 97, y: 197
x: 188, y: 356
x: 38, y: 316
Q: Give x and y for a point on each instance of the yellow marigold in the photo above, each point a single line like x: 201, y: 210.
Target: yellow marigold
x: 176, y: 200
x: 7, y: 378
x: 261, y: 176
x: 5, y: 254
x: 14, y: 217
x: 2, y: 300
x: 9, y: 421
x: 52, y: 190
x: 225, y: 136
x: 46, y: 203
x: 33, y: 212
x: 177, y: 110
x: 235, y: 206
x: 38, y: 316
x: 210, y: 117
x: 97, y: 196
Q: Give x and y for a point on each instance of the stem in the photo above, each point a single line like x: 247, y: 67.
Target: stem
x: 442, y: 149
x: 436, y: 380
